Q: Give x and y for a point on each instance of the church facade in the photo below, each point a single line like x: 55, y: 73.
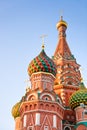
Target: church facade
x: 57, y: 98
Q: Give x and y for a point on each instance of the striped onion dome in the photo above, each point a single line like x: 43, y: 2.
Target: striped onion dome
x: 78, y: 97
x: 42, y: 63
x: 15, y: 110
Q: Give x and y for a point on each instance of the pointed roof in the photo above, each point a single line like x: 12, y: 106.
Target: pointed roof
x: 62, y: 48
x: 67, y: 68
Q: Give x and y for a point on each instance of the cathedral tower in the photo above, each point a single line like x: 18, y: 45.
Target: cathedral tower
x: 57, y: 99
x: 68, y: 76
x: 38, y: 109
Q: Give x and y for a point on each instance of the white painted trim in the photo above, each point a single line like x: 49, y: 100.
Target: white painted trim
x: 54, y: 121
x: 45, y: 102
x: 78, y: 107
x: 33, y: 94
x: 43, y: 111
x: 53, y: 99
x: 81, y: 121
x: 43, y: 73
x: 37, y: 120
x: 61, y: 125
x: 68, y: 127
x: 44, y: 121
x: 24, y: 120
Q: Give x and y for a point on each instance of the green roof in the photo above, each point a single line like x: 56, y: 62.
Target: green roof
x: 81, y: 123
x: 78, y: 97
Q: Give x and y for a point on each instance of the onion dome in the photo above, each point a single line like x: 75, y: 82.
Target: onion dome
x: 78, y: 97
x: 15, y: 110
x: 42, y: 63
x: 61, y: 23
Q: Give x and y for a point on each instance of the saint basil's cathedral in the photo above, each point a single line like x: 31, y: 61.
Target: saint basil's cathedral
x: 57, y: 98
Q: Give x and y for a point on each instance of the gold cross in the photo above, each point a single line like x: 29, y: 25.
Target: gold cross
x: 61, y: 15
x: 27, y: 87
x: 27, y: 82
x: 43, y: 37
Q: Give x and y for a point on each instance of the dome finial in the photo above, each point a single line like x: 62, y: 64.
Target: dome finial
x: 61, y: 17
x: 43, y: 37
x: 61, y: 23
x: 43, y: 46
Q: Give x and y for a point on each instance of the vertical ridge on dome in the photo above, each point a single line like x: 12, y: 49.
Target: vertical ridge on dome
x: 78, y: 97
x: 42, y: 63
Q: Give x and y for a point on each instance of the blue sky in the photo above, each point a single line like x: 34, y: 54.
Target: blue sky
x: 22, y: 22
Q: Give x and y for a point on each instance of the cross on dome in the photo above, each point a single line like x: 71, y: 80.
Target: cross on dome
x: 43, y: 41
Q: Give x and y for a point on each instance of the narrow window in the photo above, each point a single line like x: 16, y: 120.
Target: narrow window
x: 37, y: 118
x: 45, y: 127
x: 54, y: 121
x: 30, y: 128
x: 25, y: 120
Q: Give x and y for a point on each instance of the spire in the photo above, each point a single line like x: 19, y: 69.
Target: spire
x: 67, y: 69
x: 61, y: 27
x: 62, y: 48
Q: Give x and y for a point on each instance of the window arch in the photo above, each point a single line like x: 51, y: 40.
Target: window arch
x: 47, y: 96
x: 47, y: 106
x: 70, y: 83
x: 41, y: 105
x: 30, y: 107
x: 32, y: 97
x: 30, y: 128
x: 67, y: 128
x: 26, y: 107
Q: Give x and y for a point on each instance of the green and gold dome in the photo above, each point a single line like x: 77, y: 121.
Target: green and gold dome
x: 42, y: 63
x: 78, y: 97
x: 15, y: 110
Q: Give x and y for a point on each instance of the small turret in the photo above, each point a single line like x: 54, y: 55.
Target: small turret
x: 78, y: 102
x: 16, y: 115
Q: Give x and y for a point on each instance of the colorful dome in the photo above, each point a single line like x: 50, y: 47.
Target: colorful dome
x: 78, y: 97
x: 15, y: 110
x: 42, y: 63
x: 61, y: 23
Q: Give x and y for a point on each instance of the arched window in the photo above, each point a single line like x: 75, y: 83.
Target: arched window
x: 30, y: 107
x: 45, y: 127
x: 67, y: 128
x: 26, y: 107
x: 30, y: 128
